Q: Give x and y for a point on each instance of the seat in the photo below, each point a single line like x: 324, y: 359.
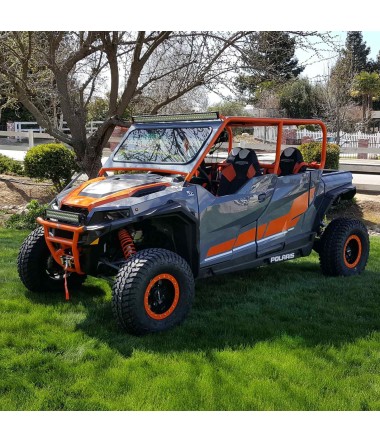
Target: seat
x: 291, y: 162
x: 242, y: 166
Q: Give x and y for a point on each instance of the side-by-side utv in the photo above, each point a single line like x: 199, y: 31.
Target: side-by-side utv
x: 167, y: 209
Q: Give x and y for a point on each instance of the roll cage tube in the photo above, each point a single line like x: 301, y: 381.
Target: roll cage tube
x: 229, y: 122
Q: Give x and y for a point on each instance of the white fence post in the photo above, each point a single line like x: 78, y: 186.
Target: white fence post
x: 31, y: 138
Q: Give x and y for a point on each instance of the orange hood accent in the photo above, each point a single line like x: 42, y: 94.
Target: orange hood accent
x: 85, y: 201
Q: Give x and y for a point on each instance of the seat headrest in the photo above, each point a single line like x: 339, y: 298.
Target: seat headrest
x: 290, y: 161
x: 288, y: 152
x: 241, y: 153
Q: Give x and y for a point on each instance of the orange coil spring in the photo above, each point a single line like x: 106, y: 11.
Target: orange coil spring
x: 126, y: 242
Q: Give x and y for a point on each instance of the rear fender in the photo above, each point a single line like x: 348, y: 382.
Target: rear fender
x: 345, y: 192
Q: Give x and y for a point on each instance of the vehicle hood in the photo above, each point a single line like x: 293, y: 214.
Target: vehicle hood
x: 101, y: 190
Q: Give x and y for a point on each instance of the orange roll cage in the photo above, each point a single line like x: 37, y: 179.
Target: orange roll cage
x: 230, y: 122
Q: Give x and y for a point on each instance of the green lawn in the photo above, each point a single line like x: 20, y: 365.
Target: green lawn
x: 277, y: 338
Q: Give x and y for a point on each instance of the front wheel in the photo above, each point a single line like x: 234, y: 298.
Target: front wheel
x: 153, y: 291
x: 344, y: 247
x: 38, y: 270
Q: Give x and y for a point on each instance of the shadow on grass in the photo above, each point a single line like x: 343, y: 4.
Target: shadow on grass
x: 87, y: 296
x: 245, y: 308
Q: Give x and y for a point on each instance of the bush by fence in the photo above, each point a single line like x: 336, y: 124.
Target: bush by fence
x: 312, y: 152
x: 52, y: 161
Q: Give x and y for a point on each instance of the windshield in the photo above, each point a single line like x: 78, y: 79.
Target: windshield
x: 162, y: 145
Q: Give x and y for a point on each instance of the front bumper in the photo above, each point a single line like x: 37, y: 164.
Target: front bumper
x: 65, y: 251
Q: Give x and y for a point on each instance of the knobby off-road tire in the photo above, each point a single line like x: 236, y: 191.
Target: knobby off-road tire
x: 37, y: 268
x: 344, y: 247
x: 152, y: 292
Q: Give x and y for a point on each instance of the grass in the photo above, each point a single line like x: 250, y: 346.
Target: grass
x: 277, y: 338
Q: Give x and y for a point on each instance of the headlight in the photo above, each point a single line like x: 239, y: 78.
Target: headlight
x: 104, y: 216
x: 54, y: 205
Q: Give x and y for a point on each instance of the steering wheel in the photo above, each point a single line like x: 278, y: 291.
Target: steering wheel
x: 206, y: 177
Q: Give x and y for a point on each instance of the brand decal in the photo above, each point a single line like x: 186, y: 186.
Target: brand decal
x: 283, y: 257
x: 190, y: 193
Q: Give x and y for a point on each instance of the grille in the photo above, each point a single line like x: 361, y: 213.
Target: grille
x: 83, y: 211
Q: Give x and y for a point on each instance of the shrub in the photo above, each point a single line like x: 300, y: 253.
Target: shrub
x: 312, y: 152
x: 26, y: 220
x: 51, y: 161
x: 8, y: 165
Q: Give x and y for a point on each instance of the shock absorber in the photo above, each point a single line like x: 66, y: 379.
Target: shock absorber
x: 126, y: 242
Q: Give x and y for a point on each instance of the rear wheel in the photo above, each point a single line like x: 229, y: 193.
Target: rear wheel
x: 344, y: 247
x: 153, y: 291
x: 38, y: 270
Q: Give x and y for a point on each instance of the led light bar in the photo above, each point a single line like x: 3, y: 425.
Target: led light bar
x: 64, y: 216
x: 176, y: 117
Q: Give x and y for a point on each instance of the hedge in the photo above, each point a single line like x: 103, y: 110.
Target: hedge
x: 312, y: 152
x: 51, y: 161
x: 10, y: 166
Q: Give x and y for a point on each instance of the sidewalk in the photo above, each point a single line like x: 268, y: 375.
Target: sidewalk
x: 366, y: 182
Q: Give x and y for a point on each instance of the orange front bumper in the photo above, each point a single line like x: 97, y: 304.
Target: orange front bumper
x: 63, y: 249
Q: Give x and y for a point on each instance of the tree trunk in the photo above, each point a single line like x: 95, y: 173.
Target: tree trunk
x: 88, y: 156
x: 365, y: 107
x: 338, y: 128
x: 89, y: 153
x: 370, y: 105
x: 91, y: 163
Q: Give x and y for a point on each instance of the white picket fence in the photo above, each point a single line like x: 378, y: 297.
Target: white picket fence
x: 347, y: 140
x: 351, y: 144
x: 33, y: 126
x: 19, y: 131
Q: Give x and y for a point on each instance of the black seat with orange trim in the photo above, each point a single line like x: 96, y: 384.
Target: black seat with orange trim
x: 291, y: 162
x: 243, y: 165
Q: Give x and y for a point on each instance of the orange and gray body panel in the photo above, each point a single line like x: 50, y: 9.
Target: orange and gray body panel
x: 269, y: 219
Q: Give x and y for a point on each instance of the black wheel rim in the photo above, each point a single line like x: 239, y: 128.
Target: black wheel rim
x: 161, y: 296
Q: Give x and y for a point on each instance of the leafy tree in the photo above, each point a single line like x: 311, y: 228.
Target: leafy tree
x: 300, y: 99
x: 356, y: 51
x: 268, y: 59
x: 373, y: 66
x: 366, y: 85
x: 97, y: 109
x: 229, y: 108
